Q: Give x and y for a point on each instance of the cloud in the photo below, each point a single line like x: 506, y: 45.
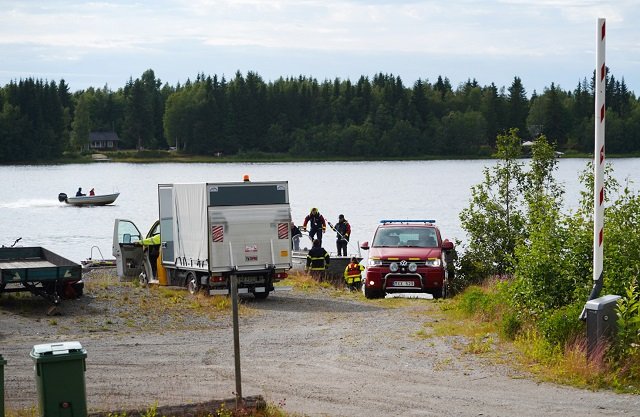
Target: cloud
x: 507, y: 31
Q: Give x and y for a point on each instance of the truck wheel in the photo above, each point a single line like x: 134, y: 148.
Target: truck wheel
x: 370, y: 294
x: 193, y: 285
x: 442, y: 292
x: 261, y: 295
x: 143, y: 279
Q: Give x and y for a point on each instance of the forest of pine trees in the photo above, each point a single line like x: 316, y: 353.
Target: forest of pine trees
x: 302, y: 117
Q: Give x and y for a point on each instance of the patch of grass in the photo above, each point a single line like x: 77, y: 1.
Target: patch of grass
x: 25, y: 412
x: 479, y: 315
x: 566, y: 366
x: 307, y: 284
x: 480, y: 344
x: 443, y: 364
x: 461, y: 327
x: 100, y: 280
x: 301, y: 282
x: 426, y: 332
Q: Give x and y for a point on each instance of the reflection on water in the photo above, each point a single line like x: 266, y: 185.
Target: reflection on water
x: 365, y: 192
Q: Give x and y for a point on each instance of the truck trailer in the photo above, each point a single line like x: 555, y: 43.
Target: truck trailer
x: 209, y: 232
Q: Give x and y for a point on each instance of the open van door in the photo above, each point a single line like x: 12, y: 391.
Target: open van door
x: 129, y: 255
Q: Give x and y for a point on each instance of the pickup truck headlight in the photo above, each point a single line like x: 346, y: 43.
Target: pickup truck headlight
x: 433, y: 262
x: 393, y: 267
x: 375, y: 262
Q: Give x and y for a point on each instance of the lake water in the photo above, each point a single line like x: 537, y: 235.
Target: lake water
x: 365, y: 192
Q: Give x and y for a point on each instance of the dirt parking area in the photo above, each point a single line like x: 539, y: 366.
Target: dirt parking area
x: 314, y: 353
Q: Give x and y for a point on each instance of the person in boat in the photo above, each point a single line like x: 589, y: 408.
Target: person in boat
x: 79, y: 193
x: 343, y: 231
x: 296, y: 234
x: 317, y: 224
x: 92, y: 192
x: 318, y: 260
x: 353, y: 274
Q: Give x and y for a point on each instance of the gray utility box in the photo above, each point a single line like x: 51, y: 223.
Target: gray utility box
x: 601, y: 321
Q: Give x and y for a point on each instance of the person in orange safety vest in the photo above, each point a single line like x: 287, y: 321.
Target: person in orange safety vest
x: 353, y: 275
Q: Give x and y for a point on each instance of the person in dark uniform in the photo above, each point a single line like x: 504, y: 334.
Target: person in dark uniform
x: 79, y: 192
x: 317, y: 225
x: 343, y: 231
x: 318, y: 260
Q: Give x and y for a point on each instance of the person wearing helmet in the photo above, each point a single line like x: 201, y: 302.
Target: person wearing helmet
x: 353, y: 275
x: 317, y: 224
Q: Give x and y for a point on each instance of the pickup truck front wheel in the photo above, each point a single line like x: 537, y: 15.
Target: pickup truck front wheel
x: 442, y: 292
x: 371, y: 293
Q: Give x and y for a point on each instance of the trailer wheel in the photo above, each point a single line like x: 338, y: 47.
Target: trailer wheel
x: 193, y: 285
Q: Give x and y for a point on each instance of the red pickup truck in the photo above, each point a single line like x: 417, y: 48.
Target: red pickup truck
x: 407, y: 256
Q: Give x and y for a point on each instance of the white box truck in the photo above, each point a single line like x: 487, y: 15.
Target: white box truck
x: 208, y: 232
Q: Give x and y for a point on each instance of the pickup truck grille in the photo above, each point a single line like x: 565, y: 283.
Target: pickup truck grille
x: 415, y: 261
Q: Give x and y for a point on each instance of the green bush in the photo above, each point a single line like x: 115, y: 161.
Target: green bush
x: 477, y: 302
x: 562, y: 325
x: 510, y: 325
x: 628, y: 311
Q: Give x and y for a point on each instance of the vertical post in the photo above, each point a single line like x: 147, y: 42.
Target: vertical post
x: 236, y: 338
x: 598, y: 164
x: 3, y: 362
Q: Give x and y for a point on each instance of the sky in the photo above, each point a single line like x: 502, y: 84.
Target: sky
x: 106, y: 43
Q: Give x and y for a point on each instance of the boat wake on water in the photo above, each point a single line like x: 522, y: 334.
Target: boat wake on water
x: 31, y: 202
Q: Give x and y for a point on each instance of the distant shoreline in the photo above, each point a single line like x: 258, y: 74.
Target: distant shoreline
x: 160, y: 156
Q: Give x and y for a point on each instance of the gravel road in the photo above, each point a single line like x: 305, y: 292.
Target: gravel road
x: 315, y: 354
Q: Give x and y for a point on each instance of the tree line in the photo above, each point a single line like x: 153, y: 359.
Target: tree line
x: 302, y: 117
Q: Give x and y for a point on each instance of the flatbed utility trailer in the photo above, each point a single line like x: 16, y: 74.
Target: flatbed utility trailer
x: 41, y: 272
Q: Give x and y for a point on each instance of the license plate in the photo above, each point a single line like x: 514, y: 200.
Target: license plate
x: 404, y: 283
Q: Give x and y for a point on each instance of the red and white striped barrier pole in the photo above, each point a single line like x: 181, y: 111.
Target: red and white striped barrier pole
x: 598, y: 166
x: 598, y: 163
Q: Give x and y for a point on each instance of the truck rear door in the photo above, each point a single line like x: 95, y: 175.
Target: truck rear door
x: 128, y: 255
x: 249, y: 226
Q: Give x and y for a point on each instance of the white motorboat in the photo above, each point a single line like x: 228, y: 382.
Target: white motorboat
x: 88, y: 200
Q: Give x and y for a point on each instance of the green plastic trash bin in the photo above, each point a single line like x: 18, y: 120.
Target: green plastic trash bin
x: 59, y: 369
x: 3, y: 362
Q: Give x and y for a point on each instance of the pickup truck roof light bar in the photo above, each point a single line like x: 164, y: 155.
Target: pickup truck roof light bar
x: 407, y: 221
